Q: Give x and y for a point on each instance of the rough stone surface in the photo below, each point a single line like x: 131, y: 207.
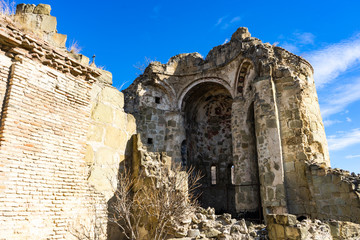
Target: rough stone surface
x: 108, y: 138
x: 247, y: 116
x: 287, y: 227
x: 42, y: 9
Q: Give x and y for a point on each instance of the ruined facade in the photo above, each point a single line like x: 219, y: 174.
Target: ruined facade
x: 246, y: 116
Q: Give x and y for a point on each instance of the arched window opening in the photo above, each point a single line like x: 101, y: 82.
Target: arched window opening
x: 232, y: 174
x: 213, y: 175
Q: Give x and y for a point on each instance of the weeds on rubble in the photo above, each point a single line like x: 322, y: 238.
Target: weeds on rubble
x: 7, y: 8
x: 154, y: 204
x: 74, y: 48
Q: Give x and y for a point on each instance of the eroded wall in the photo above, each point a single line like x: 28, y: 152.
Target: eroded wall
x: 45, y: 117
x: 276, y: 126
x: 43, y: 134
x: 108, y: 139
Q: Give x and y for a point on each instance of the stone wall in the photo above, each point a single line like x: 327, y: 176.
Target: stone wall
x: 45, y: 117
x: 108, y: 140
x: 281, y: 227
x: 187, y: 82
x: 276, y: 126
x: 335, y: 193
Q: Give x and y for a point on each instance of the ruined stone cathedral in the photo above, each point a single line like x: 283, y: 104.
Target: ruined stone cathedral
x: 246, y: 116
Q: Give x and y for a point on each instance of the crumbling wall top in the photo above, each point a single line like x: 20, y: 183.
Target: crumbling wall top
x: 241, y: 44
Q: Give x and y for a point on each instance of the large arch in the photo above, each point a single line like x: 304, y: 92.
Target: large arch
x: 207, y: 112
x: 191, y: 86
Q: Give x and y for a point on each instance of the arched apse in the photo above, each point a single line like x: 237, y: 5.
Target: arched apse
x: 185, y: 91
x: 207, y: 112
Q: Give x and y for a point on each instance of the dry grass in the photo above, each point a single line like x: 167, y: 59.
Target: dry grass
x: 158, y: 202
x: 7, y: 8
x: 74, y: 48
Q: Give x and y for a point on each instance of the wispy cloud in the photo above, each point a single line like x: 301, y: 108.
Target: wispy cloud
x: 328, y: 122
x: 335, y: 59
x: 344, y: 139
x: 340, y: 98
x: 225, y: 21
x: 352, y: 156
x: 219, y: 21
x: 304, y: 37
x: 296, y: 40
x: 290, y: 47
x: 348, y: 119
x: 235, y: 19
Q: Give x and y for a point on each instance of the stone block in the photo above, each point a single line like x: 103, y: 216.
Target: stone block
x: 115, y: 138
x: 212, y: 233
x: 193, y: 233
x: 42, y: 9
x: 120, y: 120
x: 59, y: 40
x: 280, y: 231
x: 292, y: 233
x: 295, y: 124
x: 112, y: 96
x: 102, y: 113
x: 131, y: 124
x: 48, y: 24
x: 271, y: 219
x: 105, y: 76
x: 95, y: 133
x: 286, y: 219
x: 104, y: 155
x: 25, y: 8
x: 89, y: 155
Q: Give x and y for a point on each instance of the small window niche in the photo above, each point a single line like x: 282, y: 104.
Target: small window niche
x: 157, y: 100
x: 232, y: 174
x: 213, y: 175
x: 150, y: 141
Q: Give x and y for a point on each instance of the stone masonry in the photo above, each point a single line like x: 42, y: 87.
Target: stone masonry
x: 246, y: 116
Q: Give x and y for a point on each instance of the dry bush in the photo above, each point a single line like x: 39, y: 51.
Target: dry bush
x: 154, y: 203
x: 74, y: 48
x: 123, y: 208
x: 142, y: 66
x: 7, y: 8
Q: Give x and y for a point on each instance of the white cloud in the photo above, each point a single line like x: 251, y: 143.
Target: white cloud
x: 335, y: 59
x: 304, y: 37
x: 296, y: 40
x: 235, y: 19
x: 352, y: 156
x: 348, y: 119
x: 343, y: 140
x: 341, y: 98
x: 328, y: 123
x: 224, y: 22
x: 220, y: 20
x: 290, y: 47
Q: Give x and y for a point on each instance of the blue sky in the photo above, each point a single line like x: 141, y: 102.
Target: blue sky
x: 123, y: 34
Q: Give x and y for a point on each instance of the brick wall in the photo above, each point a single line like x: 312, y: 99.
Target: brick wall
x: 42, y: 143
